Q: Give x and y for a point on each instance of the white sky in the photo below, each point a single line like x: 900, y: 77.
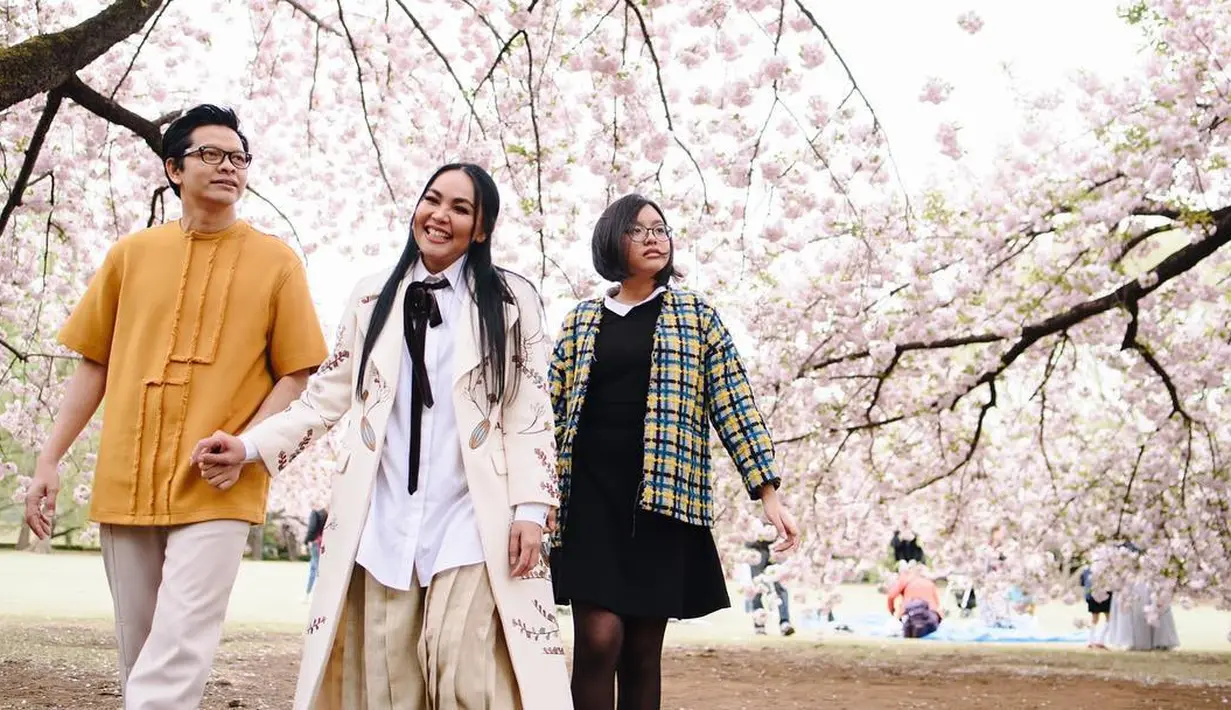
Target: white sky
x: 893, y: 47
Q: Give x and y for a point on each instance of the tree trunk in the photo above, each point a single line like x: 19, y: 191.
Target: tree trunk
x: 23, y: 537
x: 256, y: 542
x: 43, y: 62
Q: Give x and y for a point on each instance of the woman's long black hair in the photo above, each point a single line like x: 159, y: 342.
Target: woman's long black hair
x: 491, y: 291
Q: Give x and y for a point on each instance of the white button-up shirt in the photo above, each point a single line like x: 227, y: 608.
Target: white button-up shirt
x: 410, y: 536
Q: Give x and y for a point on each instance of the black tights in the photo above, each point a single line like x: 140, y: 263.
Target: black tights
x: 610, y: 649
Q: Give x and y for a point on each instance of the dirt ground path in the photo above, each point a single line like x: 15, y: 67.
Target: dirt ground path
x: 71, y: 666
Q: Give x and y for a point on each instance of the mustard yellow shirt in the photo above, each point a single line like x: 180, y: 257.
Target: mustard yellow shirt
x: 194, y: 330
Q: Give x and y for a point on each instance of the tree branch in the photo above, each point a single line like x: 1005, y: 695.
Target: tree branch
x: 104, y: 107
x: 363, y: 102
x: 1174, y: 265
x: 154, y: 200
x: 662, y: 93
x: 1131, y: 343
x: 286, y: 219
x: 974, y: 443
x: 44, y: 62
x: 140, y: 46
x: 313, y: 18
x: 27, y: 357
x: 855, y: 89
x: 499, y: 57
x: 54, y: 98
x: 448, y: 67
x: 1135, y: 241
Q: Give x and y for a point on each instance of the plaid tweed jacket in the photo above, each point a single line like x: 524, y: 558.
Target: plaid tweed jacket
x: 695, y: 374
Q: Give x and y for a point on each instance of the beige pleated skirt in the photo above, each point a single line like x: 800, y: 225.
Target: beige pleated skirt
x: 442, y: 648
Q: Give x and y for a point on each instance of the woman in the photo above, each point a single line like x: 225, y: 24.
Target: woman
x: 432, y: 592
x: 634, y: 378
x: 914, y: 600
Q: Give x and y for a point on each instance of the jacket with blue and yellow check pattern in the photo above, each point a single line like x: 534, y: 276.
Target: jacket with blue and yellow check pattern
x: 695, y: 375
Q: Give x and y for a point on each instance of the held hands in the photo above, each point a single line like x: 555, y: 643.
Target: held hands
x: 220, y: 458
x: 41, y: 498
x: 525, y: 547
x: 780, y: 518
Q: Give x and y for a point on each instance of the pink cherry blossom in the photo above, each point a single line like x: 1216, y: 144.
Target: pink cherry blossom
x: 898, y: 337
x: 970, y: 22
x: 935, y: 91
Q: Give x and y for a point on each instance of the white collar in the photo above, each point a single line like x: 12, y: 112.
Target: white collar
x: 622, y: 309
x: 452, y: 272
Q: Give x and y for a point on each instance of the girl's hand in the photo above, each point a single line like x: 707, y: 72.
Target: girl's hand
x: 780, y: 518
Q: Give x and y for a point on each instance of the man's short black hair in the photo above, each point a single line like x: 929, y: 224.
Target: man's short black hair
x: 178, y: 138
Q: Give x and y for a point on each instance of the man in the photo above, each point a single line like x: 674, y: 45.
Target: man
x: 195, y: 325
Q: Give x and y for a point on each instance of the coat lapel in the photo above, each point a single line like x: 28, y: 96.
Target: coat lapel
x: 466, y: 335
x: 385, y: 362
x: 466, y: 348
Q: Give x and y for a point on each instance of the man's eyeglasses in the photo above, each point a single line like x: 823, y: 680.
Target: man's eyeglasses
x: 639, y: 234
x: 214, y: 156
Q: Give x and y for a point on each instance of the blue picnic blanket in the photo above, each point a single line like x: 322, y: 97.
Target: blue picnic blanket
x: 1023, y: 629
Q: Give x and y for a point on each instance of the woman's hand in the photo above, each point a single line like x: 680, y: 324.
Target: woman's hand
x: 780, y: 518
x: 525, y: 547
x: 220, y: 457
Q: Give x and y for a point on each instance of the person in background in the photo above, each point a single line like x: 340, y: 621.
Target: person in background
x: 762, y: 547
x: 914, y: 599
x: 1099, y: 606
x: 906, y: 547
x: 316, y: 530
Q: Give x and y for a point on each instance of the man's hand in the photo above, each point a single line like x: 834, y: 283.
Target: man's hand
x: 41, y: 497
x: 221, y: 477
x: 525, y: 544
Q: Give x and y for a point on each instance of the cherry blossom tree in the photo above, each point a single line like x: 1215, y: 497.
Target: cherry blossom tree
x: 1019, y: 361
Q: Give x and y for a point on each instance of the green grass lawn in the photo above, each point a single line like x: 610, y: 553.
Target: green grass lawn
x: 270, y: 596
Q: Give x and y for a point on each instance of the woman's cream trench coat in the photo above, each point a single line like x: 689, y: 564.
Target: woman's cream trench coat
x: 508, y: 453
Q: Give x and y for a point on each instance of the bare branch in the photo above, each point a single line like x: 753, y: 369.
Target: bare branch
x: 941, y: 344
x: 54, y: 98
x: 1128, y: 490
x: 286, y: 219
x: 500, y: 57
x: 538, y: 162
x: 880, y: 382
x: 483, y: 18
x: 27, y: 357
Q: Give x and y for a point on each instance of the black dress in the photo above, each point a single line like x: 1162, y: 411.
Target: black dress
x: 614, y: 554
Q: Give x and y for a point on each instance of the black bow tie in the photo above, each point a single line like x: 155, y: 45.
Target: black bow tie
x: 419, y: 311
